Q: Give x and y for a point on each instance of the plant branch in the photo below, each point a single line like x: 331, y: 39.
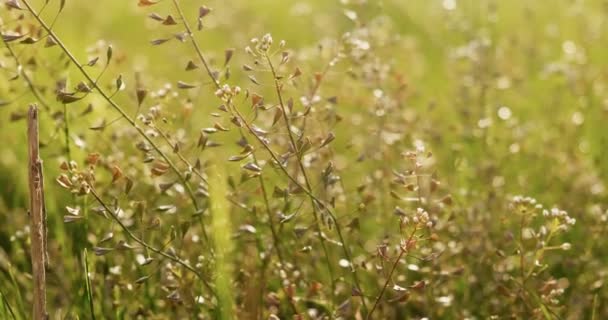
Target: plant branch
x: 135, y: 238
x: 114, y: 105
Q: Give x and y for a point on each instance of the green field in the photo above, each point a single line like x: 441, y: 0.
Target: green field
x: 308, y: 159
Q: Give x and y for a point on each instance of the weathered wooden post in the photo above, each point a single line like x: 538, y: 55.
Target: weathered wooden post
x: 37, y: 216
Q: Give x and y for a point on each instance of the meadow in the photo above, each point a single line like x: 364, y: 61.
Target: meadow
x: 308, y: 159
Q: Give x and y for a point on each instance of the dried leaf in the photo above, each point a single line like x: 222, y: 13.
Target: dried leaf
x: 220, y: 127
x: 11, y: 37
x: 141, y: 95
x: 252, y: 167
x: 228, y: 56
x: 73, y: 211
x: 29, y: 40
x: 277, y: 115
x: 120, y: 84
x: 99, y: 251
x: 296, y: 73
x: 50, y: 42
x: 142, y: 279
x: 128, y: 186
x: 159, y: 168
x: 70, y: 218
x: 116, y: 173
x: 159, y: 41
x: 203, y: 11
x: 14, y: 4
x: 155, y: 16
x: 256, y: 99
x: 146, y: 3
x: 169, y: 21
x: 191, y: 66
x: 253, y: 79
x: 330, y: 137
x: 100, y: 126
x: 92, y: 62
x: 184, y: 85
x: 238, y: 157
x: 67, y: 98
x: 109, y: 54
x: 166, y: 208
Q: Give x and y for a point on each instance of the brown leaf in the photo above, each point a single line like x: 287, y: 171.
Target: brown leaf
x: 29, y: 40
x: 203, y: 11
x: 64, y: 181
x: 330, y: 137
x: 50, y: 41
x: 296, y: 73
x: 14, y: 4
x: 141, y: 95
x: 116, y: 173
x: 256, y: 99
x: 67, y: 98
x: 228, y: 56
x: 146, y: 3
x: 159, y: 168
x: 92, y: 158
x: 169, y: 21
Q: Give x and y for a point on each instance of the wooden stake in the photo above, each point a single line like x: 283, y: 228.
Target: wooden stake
x: 37, y: 216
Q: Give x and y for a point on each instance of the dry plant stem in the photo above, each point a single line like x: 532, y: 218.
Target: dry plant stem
x: 115, y: 105
x: 180, y: 155
x: 190, y: 166
x: 275, y: 235
x: 390, y: 275
x: 307, y: 190
x: 195, y: 44
x: 309, y: 186
x: 148, y: 246
x: 314, y: 91
x: 27, y: 79
x: 37, y: 216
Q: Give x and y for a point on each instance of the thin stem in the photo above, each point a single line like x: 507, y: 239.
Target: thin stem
x: 7, y: 304
x: 27, y: 79
x: 148, y: 246
x: 275, y: 236
x: 190, y: 167
x: 403, y: 250
x: 195, y: 44
x: 66, y: 132
x: 88, y: 285
x: 180, y: 155
x: 294, y: 146
x: 307, y: 180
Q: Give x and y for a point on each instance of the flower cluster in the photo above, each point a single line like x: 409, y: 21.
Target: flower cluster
x: 261, y: 45
x: 420, y: 219
x: 226, y: 92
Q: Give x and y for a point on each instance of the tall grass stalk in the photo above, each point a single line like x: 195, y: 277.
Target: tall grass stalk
x: 222, y: 239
